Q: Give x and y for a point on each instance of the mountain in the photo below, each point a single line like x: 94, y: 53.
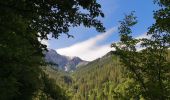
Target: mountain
x: 93, y: 81
x: 96, y: 80
x: 63, y: 62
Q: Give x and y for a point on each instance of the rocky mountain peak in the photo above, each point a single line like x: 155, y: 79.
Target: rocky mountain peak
x: 64, y: 62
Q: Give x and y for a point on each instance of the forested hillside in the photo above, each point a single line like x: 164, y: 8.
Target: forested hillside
x: 95, y: 80
x: 138, y: 69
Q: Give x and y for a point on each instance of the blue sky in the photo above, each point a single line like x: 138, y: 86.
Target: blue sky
x: 114, y: 11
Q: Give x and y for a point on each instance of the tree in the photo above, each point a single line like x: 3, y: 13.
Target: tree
x: 53, y: 16
x: 147, y: 70
x: 22, y: 23
x: 50, y: 90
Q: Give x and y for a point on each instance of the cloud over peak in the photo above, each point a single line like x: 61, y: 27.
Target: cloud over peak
x: 89, y: 49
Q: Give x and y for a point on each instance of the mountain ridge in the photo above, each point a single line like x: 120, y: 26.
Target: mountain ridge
x: 93, y: 81
x: 62, y: 62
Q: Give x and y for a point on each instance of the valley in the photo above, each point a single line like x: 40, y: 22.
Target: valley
x: 93, y: 81
x: 96, y: 80
x: 84, y: 50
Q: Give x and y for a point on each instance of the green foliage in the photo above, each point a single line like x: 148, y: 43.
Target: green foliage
x: 51, y: 90
x: 18, y: 60
x: 106, y: 79
x: 99, y: 80
x: 62, y: 78
x: 128, y: 89
x: 22, y: 23
x: 94, y: 81
x: 146, y: 71
x: 53, y: 16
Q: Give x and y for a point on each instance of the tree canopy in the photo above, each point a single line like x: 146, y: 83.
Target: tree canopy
x: 22, y: 23
x: 146, y: 70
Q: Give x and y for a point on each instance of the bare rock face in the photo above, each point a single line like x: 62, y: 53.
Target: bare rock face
x: 63, y: 62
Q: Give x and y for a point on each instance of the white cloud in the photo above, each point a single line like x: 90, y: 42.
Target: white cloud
x: 144, y: 35
x: 89, y: 49
x: 138, y: 45
x: 45, y: 42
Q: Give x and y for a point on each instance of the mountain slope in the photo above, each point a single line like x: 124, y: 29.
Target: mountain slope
x: 93, y: 81
x: 97, y: 79
x: 65, y: 63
